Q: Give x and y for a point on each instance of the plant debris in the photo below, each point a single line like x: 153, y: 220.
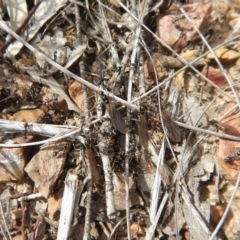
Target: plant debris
x: 120, y: 120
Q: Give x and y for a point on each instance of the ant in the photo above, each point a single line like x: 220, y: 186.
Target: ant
x: 232, y: 157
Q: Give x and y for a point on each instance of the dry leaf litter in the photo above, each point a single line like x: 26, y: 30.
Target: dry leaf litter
x: 120, y: 120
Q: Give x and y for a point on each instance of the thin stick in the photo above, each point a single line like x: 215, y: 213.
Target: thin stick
x: 155, y: 194
x: 216, y: 134
x: 68, y: 206
x: 129, y: 97
x: 4, y: 221
x: 87, y: 224
x: 81, y: 61
x: 108, y: 185
x: 115, y: 228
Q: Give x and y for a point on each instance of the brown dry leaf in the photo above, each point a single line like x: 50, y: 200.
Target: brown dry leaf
x: 22, y: 85
x: 224, y: 54
x: 93, y: 166
x: 54, y: 205
x: 161, y: 60
x: 21, y: 62
x: 76, y: 93
x: 137, y: 230
x: 215, y: 75
x: 12, y: 163
x: 13, y: 160
x: 229, y: 148
x: 120, y: 193
x: 176, y: 31
x: 190, y: 54
x: 47, y: 165
x: 231, y: 224
x: 149, y: 73
x: 168, y: 32
x: 52, y: 99
x: 180, y: 81
x: 17, y: 213
x: 32, y: 116
x: 26, y: 61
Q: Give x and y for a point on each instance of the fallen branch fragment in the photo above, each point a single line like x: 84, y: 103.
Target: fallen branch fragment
x: 68, y: 206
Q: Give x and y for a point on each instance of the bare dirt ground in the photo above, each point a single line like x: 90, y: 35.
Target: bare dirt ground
x: 120, y: 120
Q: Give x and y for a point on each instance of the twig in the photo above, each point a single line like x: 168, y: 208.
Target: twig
x: 93, y: 166
x: 129, y: 98
x: 37, y: 128
x: 152, y: 228
x: 47, y: 220
x: 141, y: 83
x: 4, y: 221
x: 155, y: 194
x: 68, y: 206
x: 108, y: 185
x: 104, y: 228
x: 104, y: 144
x: 120, y: 222
x: 81, y: 60
x: 23, y: 233
x: 3, y: 232
x: 35, y: 226
x: 216, y: 134
x: 87, y: 224
x: 30, y: 197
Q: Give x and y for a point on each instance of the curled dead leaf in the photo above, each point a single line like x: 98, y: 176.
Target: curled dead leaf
x: 215, y: 75
x: 224, y: 54
x: 176, y: 31
x: 32, y: 116
x: 76, y: 93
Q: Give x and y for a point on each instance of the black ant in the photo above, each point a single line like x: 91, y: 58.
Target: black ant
x: 232, y: 157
